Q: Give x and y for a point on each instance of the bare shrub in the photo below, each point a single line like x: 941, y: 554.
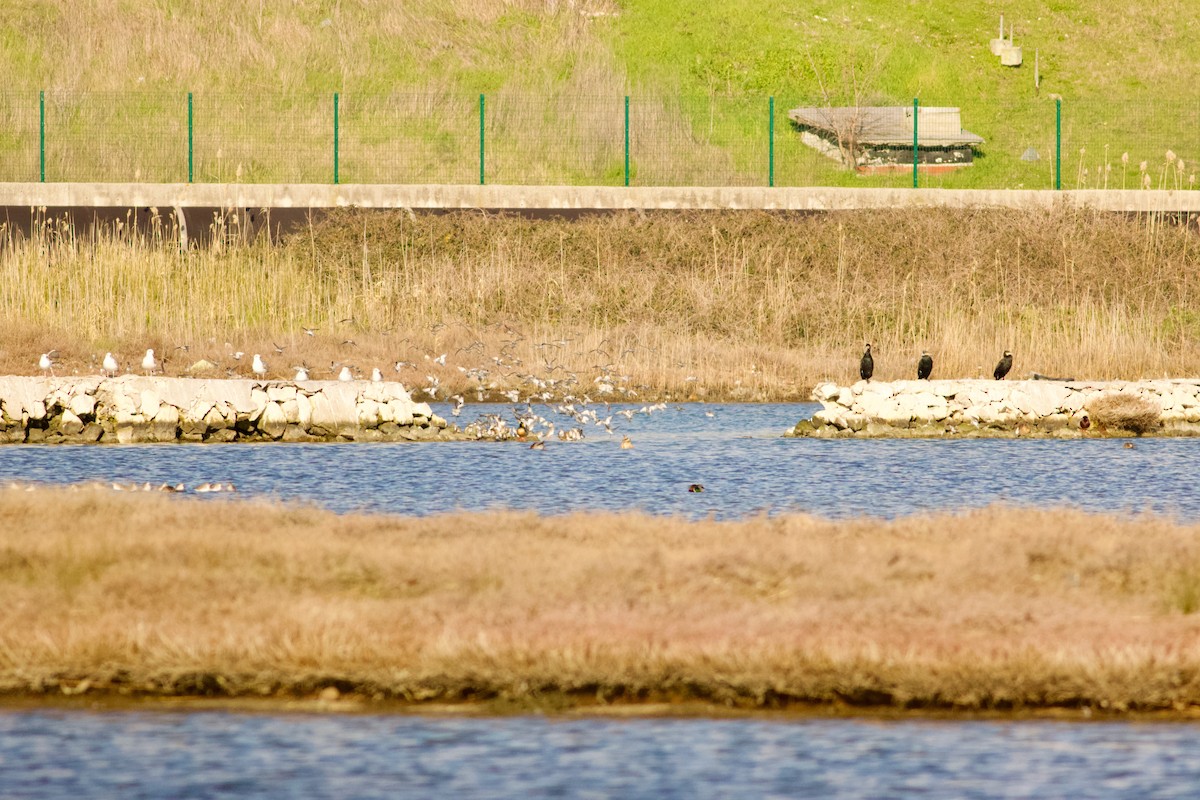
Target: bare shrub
x: 1125, y: 411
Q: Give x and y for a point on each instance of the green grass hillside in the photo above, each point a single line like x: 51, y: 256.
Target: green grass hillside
x: 555, y: 74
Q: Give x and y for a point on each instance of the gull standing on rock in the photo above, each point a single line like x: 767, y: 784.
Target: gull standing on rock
x: 110, y: 365
x: 345, y: 374
x: 46, y: 362
x: 376, y: 375
x: 301, y: 374
x: 149, y: 362
x: 258, y: 367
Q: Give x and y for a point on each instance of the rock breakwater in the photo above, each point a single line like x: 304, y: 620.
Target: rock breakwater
x: 132, y: 409
x: 1060, y: 409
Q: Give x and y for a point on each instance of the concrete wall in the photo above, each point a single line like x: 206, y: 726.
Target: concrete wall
x: 167, y: 196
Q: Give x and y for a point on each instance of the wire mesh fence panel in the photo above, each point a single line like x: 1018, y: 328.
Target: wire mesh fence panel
x: 19, y: 126
x: 848, y: 146
x: 443, y: 137
x: 704, y: 141
x: 558, y: 139
x: 115, y: 136
x: 1005, y: 146
x: 428, y: 137
x: 262, y: 138
x: 1130, y: 146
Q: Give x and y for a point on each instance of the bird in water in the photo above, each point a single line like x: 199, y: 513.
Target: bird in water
x: 149, y: 362
x: 538, y: 446
x: 110, y: 365
x: 696, y: 488
x: 626, y: 443
x: 924, y: 366
x: 866, y: 367
x: 1004, y: 366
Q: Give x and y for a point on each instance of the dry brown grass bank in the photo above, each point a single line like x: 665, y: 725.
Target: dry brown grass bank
x: 999, y: 608
x: 736, y: 305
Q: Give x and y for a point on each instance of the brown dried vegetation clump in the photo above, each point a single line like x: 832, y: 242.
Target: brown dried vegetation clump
x: 996, y: 608
x: 1124, y: 411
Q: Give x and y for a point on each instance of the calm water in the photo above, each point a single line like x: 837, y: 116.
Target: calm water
x: 737, y: 453
x: 215, y: 754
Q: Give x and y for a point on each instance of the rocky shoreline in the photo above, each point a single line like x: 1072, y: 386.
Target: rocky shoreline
x: 982, y: 408
x: 132, y: 409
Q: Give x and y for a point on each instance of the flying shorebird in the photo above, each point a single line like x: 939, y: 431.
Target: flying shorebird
x: 259, y: 368
x: 345, y: 374
x: 110, y: 365
x: 924, y: 366
x: 149, y: 362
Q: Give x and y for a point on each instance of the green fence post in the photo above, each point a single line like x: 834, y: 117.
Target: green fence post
x: 335, y: 137
x: 1058, y: 143
x: 916, y: 108
x: 771, y: 141
x: 626, y: 140
x: 191, y: 141
x: 42, y: 136
x: 481, y: 140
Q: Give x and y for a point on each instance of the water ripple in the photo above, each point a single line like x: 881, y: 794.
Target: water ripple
x: 218, y: 754
x: 737, y: 453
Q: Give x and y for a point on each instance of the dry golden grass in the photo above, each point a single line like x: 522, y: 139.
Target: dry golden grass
x: 714, y: 305
x: 997, y: 608
x: 1125, y: 412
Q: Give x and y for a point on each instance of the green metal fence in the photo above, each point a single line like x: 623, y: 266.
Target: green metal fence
x: 507, y: 138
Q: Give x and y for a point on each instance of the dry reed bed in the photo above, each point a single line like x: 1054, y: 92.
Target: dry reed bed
x: 995, y: 608
x: 714, y: 305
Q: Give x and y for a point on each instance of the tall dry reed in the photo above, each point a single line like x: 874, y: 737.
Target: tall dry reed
x: 700, y: 304
x: 992, y: 608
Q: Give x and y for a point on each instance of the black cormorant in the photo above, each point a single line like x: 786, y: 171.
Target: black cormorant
x: 866, y: 367
x: 924, y: 366
x: 1004, y: 366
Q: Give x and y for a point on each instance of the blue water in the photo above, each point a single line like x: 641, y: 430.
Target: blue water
x: 218, y: 754
x: 738, y: 454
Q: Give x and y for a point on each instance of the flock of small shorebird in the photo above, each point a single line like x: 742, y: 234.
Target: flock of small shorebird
x: 866, y: 367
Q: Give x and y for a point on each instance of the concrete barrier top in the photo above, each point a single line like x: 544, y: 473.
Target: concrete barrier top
x: 166, y: 196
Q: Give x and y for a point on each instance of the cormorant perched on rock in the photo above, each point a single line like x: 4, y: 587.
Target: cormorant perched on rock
x: 1004, y: 366
x: 866, y: 367
x: 924, y: 366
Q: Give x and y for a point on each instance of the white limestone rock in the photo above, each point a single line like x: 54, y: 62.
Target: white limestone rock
x: 70, y: 424
x: 273, y: 421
